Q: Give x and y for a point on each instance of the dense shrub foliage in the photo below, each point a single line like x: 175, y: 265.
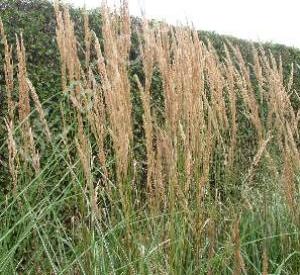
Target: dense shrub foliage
x: 35, y: 19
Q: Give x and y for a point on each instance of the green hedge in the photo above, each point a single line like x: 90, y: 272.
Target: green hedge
x: 36, y: 20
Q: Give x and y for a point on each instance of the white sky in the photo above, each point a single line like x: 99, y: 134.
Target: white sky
x: 258, y: 20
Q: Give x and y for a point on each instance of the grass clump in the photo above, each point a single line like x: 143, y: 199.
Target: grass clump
x: 188, y: 166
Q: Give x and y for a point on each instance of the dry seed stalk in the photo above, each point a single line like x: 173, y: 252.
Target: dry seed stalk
x: 245, y: 85
x: 87, y: 40
x: 24, y: 109
x: 230, y: 81
x: 257, y: 158
x: 265, y: 264
x: 239, y: 265
x: 147, y: 54
x: 12, y: 153
x: 117, y: 91
x: 39, y: 109
x: 9, y: 74
x: 288, y: 179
